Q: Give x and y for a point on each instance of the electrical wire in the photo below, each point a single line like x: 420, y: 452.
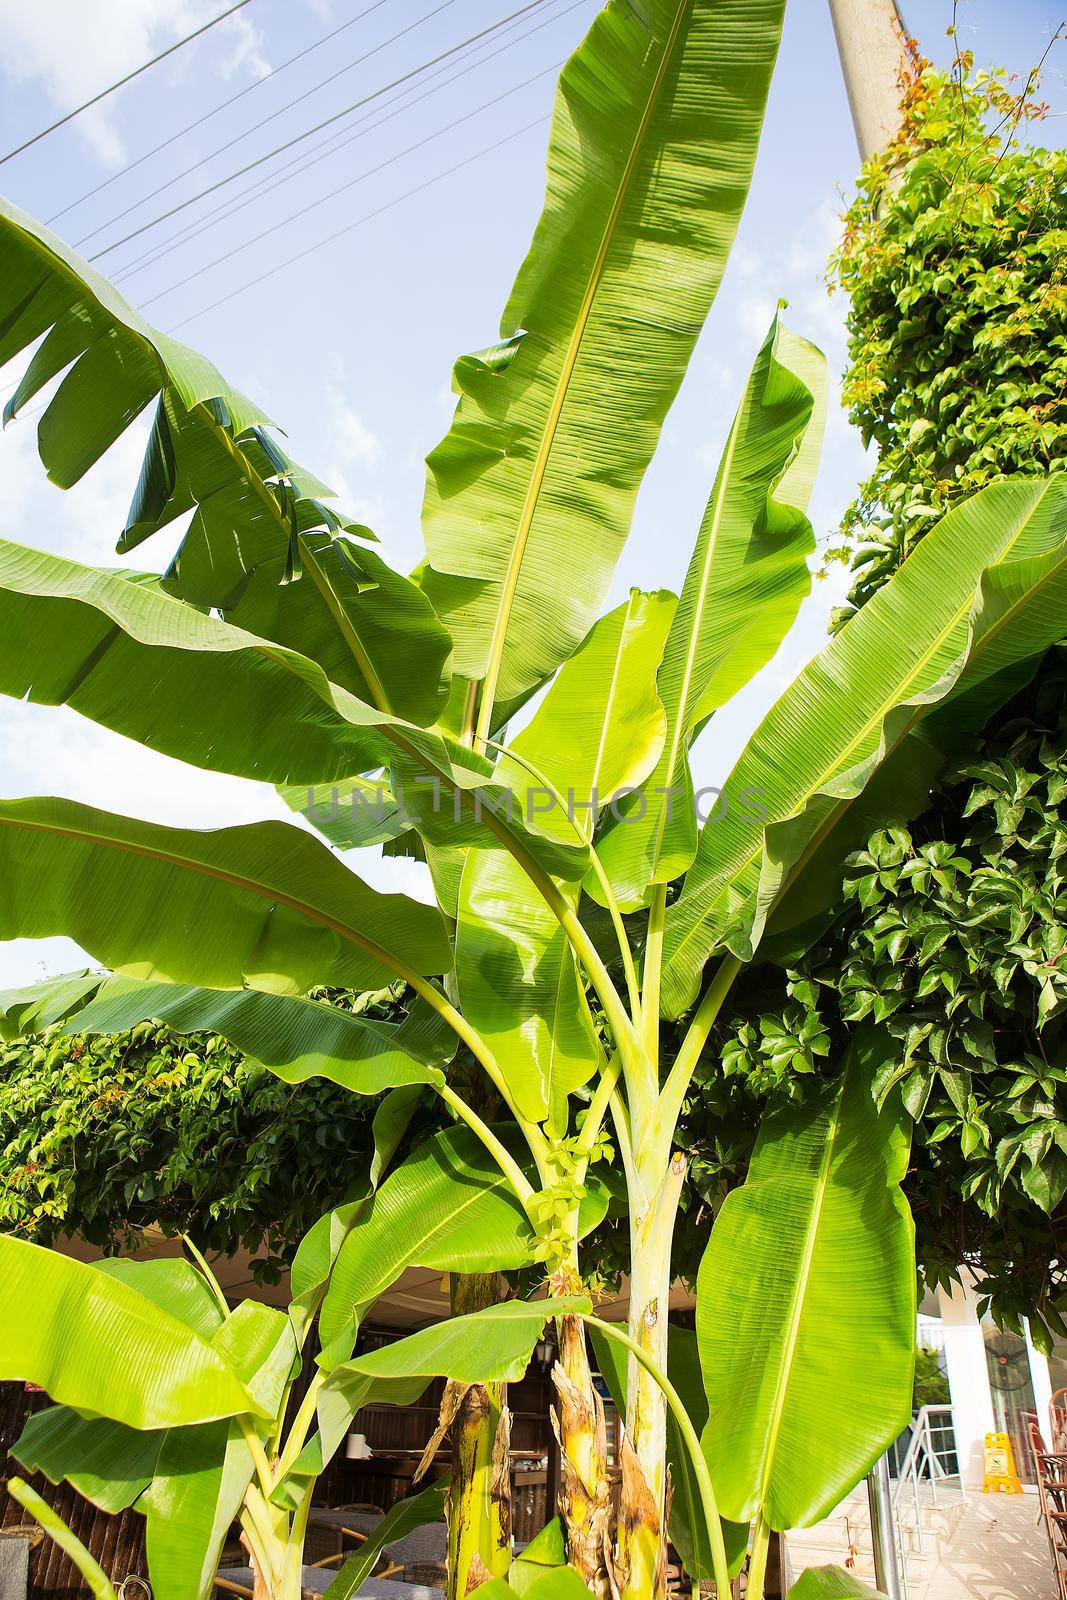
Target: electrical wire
x: 261, y: 187
x: 369, y: 216
x: 375, y: 94
x: 272, y: 116
x: 207, y: 116
x: 136, y: 73
x: 351, y: 183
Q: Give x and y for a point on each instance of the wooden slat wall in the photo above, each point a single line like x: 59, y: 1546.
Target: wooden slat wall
x: 116, y: 1542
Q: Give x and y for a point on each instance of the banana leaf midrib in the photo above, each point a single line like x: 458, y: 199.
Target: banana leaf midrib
x: 878, y: 716
x: 570, y: 359
x: 678, y: 731
x: 340, y: 617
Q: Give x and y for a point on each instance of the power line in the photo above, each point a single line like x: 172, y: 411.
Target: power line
x: 136, y: 73
x: 222, y: 106
x: 261, y: 187
x: 271, y: 116
x: 351, y: 182
x: 321, y: 244
x: 299, y: 138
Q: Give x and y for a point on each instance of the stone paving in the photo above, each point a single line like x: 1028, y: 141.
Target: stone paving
x: 998, y: 1552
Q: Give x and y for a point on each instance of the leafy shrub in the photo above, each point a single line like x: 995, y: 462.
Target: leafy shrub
x: 105, y: 1136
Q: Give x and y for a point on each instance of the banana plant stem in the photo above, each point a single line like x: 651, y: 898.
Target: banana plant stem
x: 757, y: 1561
x: 212, y: 1282
x: 261, y: 1535
x: 720, y: 1564
x: 598, y: 1105
x: 259, y: 1456
x: 294, y: 1549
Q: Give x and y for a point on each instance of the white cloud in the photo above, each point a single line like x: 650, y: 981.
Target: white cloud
x: 351, y: 434
x: 72, y: 50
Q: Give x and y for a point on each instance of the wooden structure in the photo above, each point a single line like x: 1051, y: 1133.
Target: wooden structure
x: 1052, y: 1490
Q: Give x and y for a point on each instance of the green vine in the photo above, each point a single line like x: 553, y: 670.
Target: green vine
x: 954, y: 259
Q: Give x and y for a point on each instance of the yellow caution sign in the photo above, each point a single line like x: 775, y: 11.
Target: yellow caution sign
x: 1000, y: 1474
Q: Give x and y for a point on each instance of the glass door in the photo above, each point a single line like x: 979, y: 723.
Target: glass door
x: 1012, y: 1389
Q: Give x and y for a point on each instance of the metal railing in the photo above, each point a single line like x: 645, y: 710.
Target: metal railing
x: 930, y: 1458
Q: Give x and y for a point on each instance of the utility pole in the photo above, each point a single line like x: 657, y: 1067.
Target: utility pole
x: 871, y: 43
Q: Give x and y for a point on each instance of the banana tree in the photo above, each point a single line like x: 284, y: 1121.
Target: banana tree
x: 580, y: 903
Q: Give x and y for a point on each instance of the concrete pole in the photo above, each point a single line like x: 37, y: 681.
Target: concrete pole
x: 968, y: 1380
x: 870, y: 41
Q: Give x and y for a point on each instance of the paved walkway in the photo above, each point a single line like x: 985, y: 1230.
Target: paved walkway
x: 998, y: 1552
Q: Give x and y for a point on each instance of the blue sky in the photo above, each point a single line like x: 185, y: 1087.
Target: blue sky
x: 351, y: 348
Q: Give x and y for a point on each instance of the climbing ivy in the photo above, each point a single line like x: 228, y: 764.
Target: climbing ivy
x: 952, y: 931
x: 954, y: 259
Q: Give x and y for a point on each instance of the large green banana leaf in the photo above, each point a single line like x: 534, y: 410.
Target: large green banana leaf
x: 530, y: 495
x: 107, y: 1462
x: 600, y: 727
x: 486, y: 1347
x: 353, y: 814
x: 597, y: 732
x: 202, y: 1473
x: 806, y: 1303
x: 93, y: 1342
x: 296, y: 1039
x: 317, y: 1251
x: 209, y: 447
x: 491, y: 1346
x: 172, y: 1284
x: 228, y: 700
x: 263, y: 905
x: 980, y: 598
x: 256, y: 510
x: 446, y: 1207
x: 402, y: 1519
x: 371, y: 630
x: 36, y: 1006
x: 832, y: 1583
x: 199, y: 1482
x: 159, y: 671
x: 746, y: 580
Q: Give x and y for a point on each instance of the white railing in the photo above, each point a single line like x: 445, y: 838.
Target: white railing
x: 929, y: 1458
